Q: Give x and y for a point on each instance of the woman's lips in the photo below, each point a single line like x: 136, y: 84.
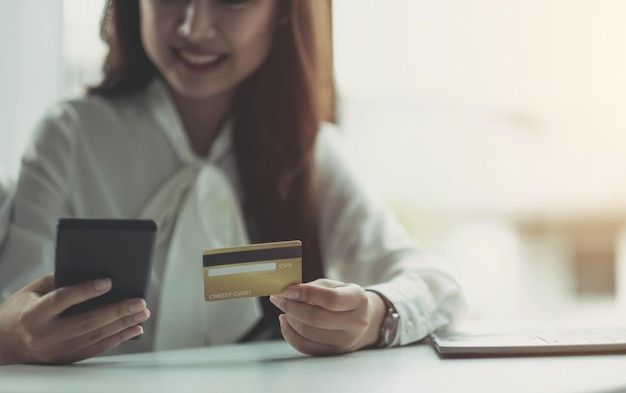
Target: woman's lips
x: 200, y: 61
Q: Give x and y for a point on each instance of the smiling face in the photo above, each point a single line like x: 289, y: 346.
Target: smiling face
x: 206, y: 48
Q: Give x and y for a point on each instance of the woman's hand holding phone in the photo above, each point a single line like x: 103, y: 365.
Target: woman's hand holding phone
x: 31, y: 330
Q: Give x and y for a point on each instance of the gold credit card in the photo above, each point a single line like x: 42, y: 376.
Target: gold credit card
x: 249, y: 271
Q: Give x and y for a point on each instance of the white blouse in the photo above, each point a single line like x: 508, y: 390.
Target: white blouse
x: 129, y: 157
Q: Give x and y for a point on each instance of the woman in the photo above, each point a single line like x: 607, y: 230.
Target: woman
x: 210, y: 120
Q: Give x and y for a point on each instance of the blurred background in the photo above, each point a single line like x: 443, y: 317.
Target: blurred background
x: 495, y: 130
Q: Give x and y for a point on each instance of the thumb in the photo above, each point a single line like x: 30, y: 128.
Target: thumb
x: 42, y: 285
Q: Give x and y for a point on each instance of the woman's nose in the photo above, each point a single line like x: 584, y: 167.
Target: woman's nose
x: 198, y: 23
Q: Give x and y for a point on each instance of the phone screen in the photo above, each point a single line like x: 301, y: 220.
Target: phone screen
x: 121, y: 250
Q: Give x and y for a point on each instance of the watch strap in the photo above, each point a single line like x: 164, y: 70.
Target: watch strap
x: 389, y: 329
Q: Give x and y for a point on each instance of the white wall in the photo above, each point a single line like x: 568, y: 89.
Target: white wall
x: 31, y: 73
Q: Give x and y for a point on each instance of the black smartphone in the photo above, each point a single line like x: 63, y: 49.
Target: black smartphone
x: 121, y: 250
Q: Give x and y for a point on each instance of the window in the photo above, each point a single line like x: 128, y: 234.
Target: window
x: 495, y: 129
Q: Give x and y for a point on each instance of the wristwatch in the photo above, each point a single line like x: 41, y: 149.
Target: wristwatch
x: 390, y: 326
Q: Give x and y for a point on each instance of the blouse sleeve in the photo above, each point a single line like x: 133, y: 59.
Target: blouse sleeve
x: 7, y: 190
x: 41, y: 198
x: 363, y: 243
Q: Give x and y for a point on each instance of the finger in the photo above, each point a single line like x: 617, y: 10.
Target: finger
x: 328, y: 283
x: 340, y: 339
x: 90, y: 322
x: 100, y: 347
x: 93, y: 337
x: 301, y: 344
x: 109, y: 330
x: 55, y: 302
x: 342, y: 297
x: 315, y: 316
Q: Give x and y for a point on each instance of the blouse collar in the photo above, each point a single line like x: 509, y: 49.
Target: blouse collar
x: 164, y: 111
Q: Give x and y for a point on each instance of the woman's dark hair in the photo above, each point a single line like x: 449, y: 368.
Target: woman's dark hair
x: 126, y: 68
x: 278, y: 111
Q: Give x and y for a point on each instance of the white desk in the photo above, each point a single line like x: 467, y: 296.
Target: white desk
x: 274, y: 367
